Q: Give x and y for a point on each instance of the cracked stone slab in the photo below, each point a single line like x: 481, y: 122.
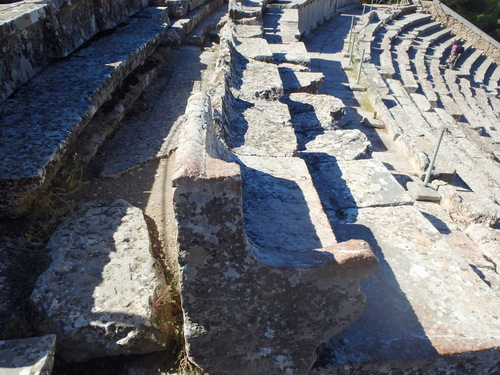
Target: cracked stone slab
x: 261, y: 128
x: 424, y: 301
x: 258, y: 80
x: 356, y: 184
x: 255, y: 48
x: 294, y: 53
x: 314, y: 111
x: 294, y: 81
x: 30, y: 356
x: 97, y: 294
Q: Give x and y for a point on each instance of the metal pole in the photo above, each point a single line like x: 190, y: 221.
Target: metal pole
x: 350, y: 34
x: 351, y: 52
x: 431, y: 165
x: 371, y: 6
x: 363, y: 14
x: 361, y: 65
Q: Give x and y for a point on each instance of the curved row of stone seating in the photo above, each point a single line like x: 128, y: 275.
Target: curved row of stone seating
x: 409, y: 73
x: 42, y: 120
x: 419, y: 97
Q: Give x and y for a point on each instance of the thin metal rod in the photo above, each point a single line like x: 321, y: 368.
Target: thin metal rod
x: 361, y: 65
x: 350, y: 33
x: 431, y: 165
x: 362, y: 14
x: 352, y: 51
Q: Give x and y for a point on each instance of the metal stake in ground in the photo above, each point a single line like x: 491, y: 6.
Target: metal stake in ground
x: 361, y: 65
x: 350, y: 33
x: 431, y: 165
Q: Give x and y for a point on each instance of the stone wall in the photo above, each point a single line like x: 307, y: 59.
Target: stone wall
x: 314, y: 12
x: 463, y: 28
x: 33, y: 32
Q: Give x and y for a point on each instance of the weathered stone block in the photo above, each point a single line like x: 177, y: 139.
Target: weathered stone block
x: 98, y: 294
x: 31, y: 356
x: 264, y: 310
x: 21, y: 44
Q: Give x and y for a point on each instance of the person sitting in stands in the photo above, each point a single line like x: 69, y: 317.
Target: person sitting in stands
x: 456, y: 51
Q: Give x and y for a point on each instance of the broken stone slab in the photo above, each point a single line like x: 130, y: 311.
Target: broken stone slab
x: 466, y: 209
x: 293, y: 53
x: 294, y: 81
x: 341, y: 144
x: 262, y: 309
x: 30, y: 356
x: 255, y: 48
x: 241, y: 9
x: 314, y: 111
x: 42, y: 122
x: 425, y: 304
x: 99, y: 293
x: 488, y: 240
x: 260, y: 128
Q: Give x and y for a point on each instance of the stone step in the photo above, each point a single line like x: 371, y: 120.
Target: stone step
x: 281, y: 26
x: 466, y: 69
x: 206, y: 29
x: 426, y: 307
x: 293, y: 53
x: 42, y: 121
x: 482, y: 70
x: 260, y: 128
x: 417, y: 125
x: 494, y: 80
x: 97, y: 294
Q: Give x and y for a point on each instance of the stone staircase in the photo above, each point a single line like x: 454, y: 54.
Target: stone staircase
x: 278, y: 194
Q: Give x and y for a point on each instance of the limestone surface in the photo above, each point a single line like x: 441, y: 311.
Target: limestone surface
x: 98, y: 294
x: 31, y: 356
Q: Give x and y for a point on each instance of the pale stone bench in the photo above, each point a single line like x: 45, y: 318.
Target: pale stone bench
x: 41, y: 123
x: 255, y: 301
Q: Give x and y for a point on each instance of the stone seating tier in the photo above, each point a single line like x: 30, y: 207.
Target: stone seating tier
x: 35, y: 32
x: 41, y: 123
